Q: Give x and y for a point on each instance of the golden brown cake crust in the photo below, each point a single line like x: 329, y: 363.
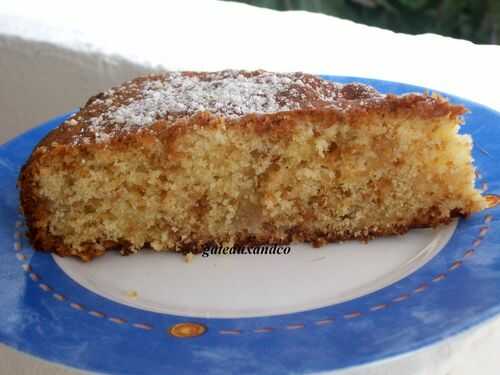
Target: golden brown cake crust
x: 297, y: 94
x: 298, y: 98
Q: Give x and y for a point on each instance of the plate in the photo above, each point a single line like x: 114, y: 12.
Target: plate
x: 307, y: 311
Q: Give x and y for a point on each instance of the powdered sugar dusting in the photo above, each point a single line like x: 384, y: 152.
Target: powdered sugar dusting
x: 232, y: 94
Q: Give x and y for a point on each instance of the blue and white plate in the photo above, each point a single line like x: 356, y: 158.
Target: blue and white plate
x: 310, y: 311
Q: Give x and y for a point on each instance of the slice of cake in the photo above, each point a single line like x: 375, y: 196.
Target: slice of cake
x: 181, y: 161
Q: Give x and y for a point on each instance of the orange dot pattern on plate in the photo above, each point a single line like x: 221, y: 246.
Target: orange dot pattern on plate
x: 493, y: 200
x: 187, y: 329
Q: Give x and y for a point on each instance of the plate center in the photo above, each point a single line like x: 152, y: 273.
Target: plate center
x: 226, y: 286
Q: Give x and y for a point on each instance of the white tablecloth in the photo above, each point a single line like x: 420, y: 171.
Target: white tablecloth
x: 76, y: 49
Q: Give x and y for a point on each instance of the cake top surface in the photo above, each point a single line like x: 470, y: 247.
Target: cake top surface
x: 232, y: 94
x: 226, y: 93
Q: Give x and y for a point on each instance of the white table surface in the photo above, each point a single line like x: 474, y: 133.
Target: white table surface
x: 55, y: 54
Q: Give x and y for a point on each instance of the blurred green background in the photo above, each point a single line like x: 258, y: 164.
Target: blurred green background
x: 474, y: 20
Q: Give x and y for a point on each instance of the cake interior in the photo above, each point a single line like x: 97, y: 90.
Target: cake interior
x: 310, y: 182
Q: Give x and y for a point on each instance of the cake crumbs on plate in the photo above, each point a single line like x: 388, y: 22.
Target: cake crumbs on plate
x: 188, y: 257
x: 132, y: 294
